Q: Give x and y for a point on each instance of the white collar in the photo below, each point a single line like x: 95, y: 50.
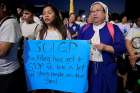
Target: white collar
x: 95, y: 27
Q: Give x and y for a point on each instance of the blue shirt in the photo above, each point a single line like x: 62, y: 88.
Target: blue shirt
x: 74, y: 28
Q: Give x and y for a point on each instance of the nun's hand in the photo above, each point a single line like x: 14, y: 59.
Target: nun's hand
x: 100, y: 47
x: 104, y: 47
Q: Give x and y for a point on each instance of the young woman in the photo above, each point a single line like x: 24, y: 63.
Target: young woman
x: 53, y: 27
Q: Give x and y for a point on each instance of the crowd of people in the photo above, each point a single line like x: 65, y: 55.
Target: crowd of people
x: 114, y: 64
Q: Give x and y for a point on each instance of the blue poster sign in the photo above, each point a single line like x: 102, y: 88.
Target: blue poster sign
x: 57, y: 65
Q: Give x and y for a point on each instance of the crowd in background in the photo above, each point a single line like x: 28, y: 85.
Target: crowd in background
x: 115, y: 69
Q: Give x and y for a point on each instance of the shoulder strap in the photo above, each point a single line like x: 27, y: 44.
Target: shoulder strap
x: 6, y: 18
x: 111, y: 30
x: 36, y: 28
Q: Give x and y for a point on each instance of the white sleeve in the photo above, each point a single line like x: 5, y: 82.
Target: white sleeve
x: 8, y: 32
x: 129, y: 35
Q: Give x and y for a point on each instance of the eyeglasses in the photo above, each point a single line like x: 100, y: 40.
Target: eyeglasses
x: 96, y: 11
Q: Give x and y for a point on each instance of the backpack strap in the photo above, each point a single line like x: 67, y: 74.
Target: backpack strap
x: 6, y: 18
x: 111, y: 30
x: 36, y: 28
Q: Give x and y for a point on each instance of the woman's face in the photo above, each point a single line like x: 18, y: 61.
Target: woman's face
x: 48, y: 15
x: 72, y: 18
x: 124, y: 19
x: 98, y: 13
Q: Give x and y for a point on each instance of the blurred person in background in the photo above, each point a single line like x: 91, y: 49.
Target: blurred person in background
x: 133, y: 47
x: 12, y: 78
x: 73, y: 27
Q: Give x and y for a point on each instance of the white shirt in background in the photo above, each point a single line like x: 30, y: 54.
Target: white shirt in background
x: 134, y: 34
x: 30, y: 30
x: 124, y: 27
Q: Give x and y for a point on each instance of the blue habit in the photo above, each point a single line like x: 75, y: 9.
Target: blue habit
x: 102, y: 75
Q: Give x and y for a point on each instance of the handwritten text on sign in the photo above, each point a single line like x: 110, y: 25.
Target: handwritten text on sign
x: 59, y: 65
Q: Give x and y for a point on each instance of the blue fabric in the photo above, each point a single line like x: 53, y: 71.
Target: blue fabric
x: 102, y: 76
x: 73, y: 29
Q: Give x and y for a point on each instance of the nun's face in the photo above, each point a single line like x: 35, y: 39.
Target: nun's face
x: 98, y: 14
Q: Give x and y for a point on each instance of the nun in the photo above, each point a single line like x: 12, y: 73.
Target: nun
x: 104, y: 48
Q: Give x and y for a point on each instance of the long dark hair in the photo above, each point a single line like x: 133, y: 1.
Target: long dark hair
x: 57, y: 23
x: 10, y: 6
